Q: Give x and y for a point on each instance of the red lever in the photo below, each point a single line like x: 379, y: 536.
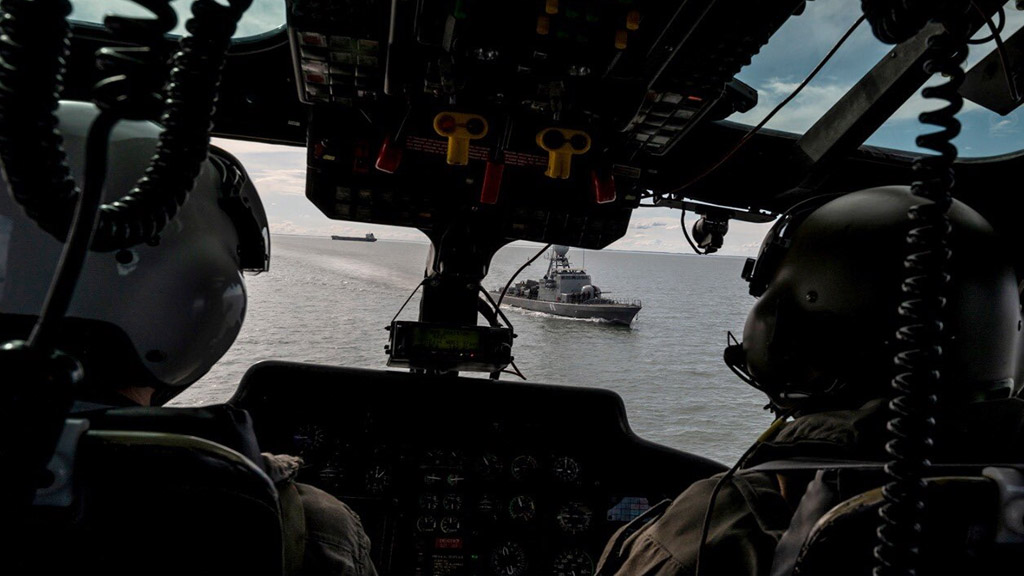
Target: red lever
x: 492, y: 182
x: 604, y: 188
x: 389, y: 157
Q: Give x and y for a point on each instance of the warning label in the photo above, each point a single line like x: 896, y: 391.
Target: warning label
x: 519, y: 159
x: 440, y: 147
x: 427, y: 145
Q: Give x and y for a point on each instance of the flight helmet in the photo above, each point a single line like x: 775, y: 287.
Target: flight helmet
x: 153, y: 315
x: 822, y: 334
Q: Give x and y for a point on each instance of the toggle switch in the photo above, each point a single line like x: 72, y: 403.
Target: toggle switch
x: 459, y: 128
x: 562, y: 144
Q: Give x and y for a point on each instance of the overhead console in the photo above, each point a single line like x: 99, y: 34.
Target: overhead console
x: 529, y: 120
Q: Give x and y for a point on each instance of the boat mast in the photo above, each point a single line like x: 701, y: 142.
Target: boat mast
x: 558, y: 260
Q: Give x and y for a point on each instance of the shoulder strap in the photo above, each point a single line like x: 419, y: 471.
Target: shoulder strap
x: 614, y: 553
x: 822, y: 495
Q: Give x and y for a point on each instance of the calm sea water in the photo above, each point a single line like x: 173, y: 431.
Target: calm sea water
x: 328, y: 302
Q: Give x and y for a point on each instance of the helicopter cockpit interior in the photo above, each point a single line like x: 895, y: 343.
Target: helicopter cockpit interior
x: 478, y: 123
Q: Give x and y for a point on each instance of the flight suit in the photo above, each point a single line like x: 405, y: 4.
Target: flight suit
x: 322, y: 534
x: 753, y: 509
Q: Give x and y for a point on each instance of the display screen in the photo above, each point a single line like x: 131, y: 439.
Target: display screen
x: 448, y: 339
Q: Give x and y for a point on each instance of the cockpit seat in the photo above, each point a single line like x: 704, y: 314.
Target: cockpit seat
x: 155, y: 503
x: 973, y: 524
x: 220, y: 423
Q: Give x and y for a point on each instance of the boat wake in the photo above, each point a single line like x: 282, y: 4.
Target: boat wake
x: 538, y: 314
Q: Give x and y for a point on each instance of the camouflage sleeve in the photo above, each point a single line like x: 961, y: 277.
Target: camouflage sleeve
x: 336, y: 542
x: 749, y: 517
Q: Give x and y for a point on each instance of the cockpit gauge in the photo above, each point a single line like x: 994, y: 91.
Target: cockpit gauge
x: 574, y: 517
x: 332, y: 473
x: 487, y: 508
x: 455, y: 479
x: 443, y: 458
x: 378, y: 479
x: 452, y: 502
x: 450, y: 524
x: 524, y: 467
x: 522, y: 508
x: 573, y: 562
x: 426, y: 524
x: 566, y: 469
x: 309, y: 439
x: 509, y: 559
x: 428, y: 502
x: 488, y: 466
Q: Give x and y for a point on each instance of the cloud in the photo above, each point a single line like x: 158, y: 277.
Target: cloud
x: 1003, y: 126
x: 289, y: 182
x: 262, y: 16
x: 802, y: 112
x: 652, y: 223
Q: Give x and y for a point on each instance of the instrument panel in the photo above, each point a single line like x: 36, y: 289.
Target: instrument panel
x: 456, y: 475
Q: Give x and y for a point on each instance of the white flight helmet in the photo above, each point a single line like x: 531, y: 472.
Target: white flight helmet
x: 151, y: 315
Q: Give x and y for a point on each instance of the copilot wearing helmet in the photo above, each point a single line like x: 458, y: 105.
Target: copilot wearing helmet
x: 156, y: 315
x: 148, y: 321
x: 820, y: 343
x: 829, y: 287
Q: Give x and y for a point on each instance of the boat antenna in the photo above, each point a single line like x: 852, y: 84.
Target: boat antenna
x: 521, y: 268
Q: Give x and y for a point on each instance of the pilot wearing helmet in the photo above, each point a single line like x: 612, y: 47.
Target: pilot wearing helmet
x: 148, y: 321
x: 820, y: 343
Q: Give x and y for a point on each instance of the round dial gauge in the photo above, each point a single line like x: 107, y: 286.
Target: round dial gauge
x: 452, y: 502
x: 566, y: 469
x: 309, y: 439
x: 574, y: 517
x: 378, y: 478
x: 450, y: 524
x: 428, y: 501
x: 332, y: 473
x: 573, y: 562
x: 524, y: 467
x: 426, y: 523
x: 509, y: 559
x: 522, y: 508
x: 488, y: 466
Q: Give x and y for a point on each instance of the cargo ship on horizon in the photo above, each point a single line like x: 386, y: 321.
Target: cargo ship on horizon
x: 368, y: 238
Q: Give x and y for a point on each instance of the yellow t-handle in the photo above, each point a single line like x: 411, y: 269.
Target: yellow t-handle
x: 459, y: 128
x: 562, y: 144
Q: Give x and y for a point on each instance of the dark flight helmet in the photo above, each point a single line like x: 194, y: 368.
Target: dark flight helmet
x: 828, y: 281
x: 154, y: 315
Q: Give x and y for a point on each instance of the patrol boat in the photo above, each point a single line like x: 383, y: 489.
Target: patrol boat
x: 568, y: 291
x: 480, y: 123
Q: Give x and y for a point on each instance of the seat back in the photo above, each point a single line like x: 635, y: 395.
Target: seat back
x: 971, y: 525
x: 158, y: 503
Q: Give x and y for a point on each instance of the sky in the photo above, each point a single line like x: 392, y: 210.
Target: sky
x: 279, y: 172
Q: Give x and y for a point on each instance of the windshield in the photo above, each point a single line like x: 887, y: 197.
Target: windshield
x: 805, y: 40
x: 262, y: 17
x: 327, y: 301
